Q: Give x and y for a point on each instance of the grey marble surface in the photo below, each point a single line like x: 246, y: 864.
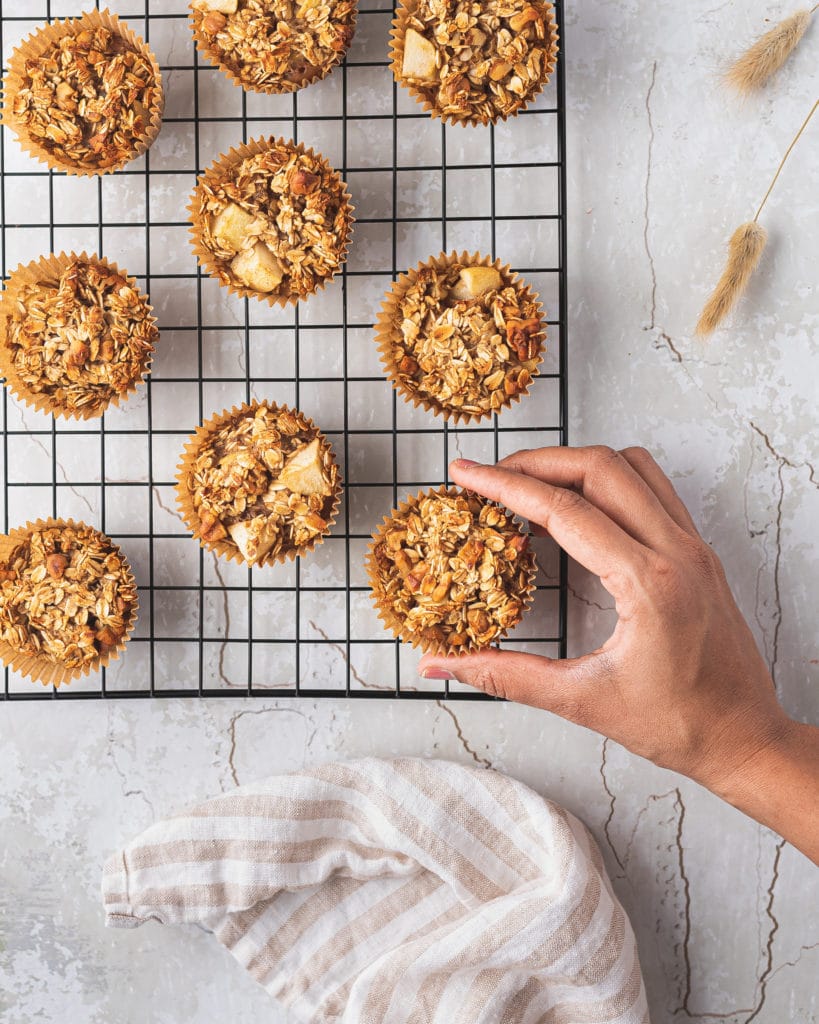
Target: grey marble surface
x: 663, y: 166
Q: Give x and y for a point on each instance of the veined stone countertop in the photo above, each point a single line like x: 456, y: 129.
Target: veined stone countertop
x: 663, y: 166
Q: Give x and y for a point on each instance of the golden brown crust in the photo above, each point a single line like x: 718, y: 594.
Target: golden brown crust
x: 259, y: 484
x: 487, y: 61
x: 275, y: 46
x: 84, y: 95
x: 459, y: 354
x: 450, y: 571
x: 77, y: 334
x: 271, y: 220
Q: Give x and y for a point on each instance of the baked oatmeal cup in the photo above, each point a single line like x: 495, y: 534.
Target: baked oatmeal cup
x: 271, y: 220
x: 84, y: 95
x: 274, y: 46
x: 259, y: 484
x: 461, y: 335
x: 450, y: 571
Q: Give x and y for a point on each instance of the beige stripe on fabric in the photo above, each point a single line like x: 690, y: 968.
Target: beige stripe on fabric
x: 236, y: 925
x: 498, y: 934
x: 438, y: 790
x: 599, y: 1011
x: 441, y: 852
x: 597, y: 968
x: 392, y: 966
x: 255, y: 851
x: 374, y: 918
x: 323, y: 902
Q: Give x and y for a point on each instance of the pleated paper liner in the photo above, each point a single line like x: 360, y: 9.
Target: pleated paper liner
x: 39, y: 668
x: 37, y: 44
x: 393, y: 622
x: 404, y: 12
x: 48, y: 270
x: 226, y: 547
x: 223, y: 168
x: 215, y: 56
x: 387, y: 334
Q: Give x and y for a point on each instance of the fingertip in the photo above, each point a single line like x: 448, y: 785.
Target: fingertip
x: 462, y: 465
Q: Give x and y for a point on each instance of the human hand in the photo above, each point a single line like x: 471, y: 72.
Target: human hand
x: 680, y: 681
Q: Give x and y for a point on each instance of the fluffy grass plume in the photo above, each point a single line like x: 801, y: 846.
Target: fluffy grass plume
x: 744, y: 252
x: 752, y: 70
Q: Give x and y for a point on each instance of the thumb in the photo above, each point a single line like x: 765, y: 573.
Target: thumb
x: 565, y: 687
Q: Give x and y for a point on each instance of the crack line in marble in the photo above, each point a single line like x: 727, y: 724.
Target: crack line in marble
x: 766, y: 974
x: 57, y: 463
x: 476, y: 757
x: 612, y: 802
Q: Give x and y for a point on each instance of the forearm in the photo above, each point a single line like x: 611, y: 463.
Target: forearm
x: 779, y: 787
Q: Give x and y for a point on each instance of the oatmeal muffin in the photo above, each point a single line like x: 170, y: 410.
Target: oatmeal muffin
x: 76, y: 335
x: 271, y: 220
x: 259, y: 484
x: 84, y: 95
x: 474, y: 63
x: 461, y: 335
x: 68, y: 600
x: 450, y: 571
x: 274, y: 46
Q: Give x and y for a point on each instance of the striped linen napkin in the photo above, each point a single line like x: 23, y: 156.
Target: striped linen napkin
x: 394, y: 892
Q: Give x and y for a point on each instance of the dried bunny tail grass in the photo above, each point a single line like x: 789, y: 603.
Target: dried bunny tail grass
x: 227, y: 547
x: 757, y: 65
x: 38, y: 668
x: 744, y: 252
x: 48, y: 270
x: 385, y: 331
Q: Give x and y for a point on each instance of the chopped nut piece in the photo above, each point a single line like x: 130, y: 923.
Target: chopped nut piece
x: 75, y: 332
x: 261, y: 479
x: 475, y: 62
x: 420, y: 59
x: 255, y: 230
x: 474, y: 281
x: 56, y: 565
x: 475, y: 593
x: 463, y: 340
x: 72, y: 615
x: 275, y: 45
x: 87, y: 99
x: 258, y: 268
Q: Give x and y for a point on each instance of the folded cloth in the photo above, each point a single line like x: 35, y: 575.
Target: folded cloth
x: 395, y: 892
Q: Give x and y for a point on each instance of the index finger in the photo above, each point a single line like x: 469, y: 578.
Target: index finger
x: 585, y: 532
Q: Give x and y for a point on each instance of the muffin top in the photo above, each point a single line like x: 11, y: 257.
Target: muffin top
x: 264, y: 481
x: 275, y: 45
x: 451, y: 570
x: 81, y: 339
x: 66, y: 594
x: 467, y: 339
x: 477, y: 62
x: 87, y: 99
x: 276, y: 223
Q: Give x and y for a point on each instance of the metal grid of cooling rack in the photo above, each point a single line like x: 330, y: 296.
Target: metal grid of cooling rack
x: 215, y: 629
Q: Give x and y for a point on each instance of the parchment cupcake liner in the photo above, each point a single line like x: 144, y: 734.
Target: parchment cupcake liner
x: 219, y: 170
x: 386, y: 335
x: 48, y: 269
x: 226, y: 547
x: 392, y: 622
x: 214, y: 55
x: 35, y: 45
x: 404, y: 12
x: 39, y: 668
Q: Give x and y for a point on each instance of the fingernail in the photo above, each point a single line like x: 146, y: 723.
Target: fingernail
x: 465, y: 463
x: 437, y: 673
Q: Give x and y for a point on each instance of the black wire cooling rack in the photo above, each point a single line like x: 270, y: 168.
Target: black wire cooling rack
x: 215, y: 629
